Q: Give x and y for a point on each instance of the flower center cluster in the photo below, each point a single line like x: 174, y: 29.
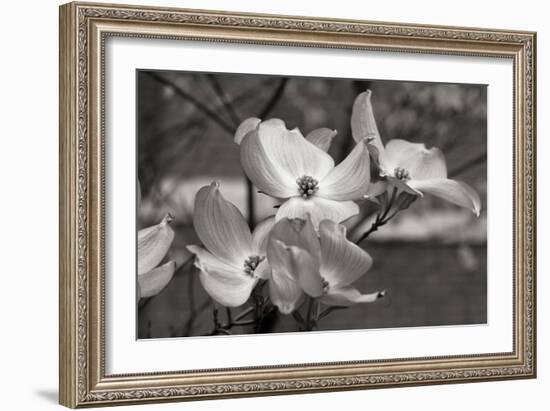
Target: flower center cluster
x: 402, y: 174
x: 325, y: 285
x: 251, y: 263
x: 307, y: 186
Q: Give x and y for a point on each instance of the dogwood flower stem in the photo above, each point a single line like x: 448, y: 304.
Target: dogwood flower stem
x: 247, y: 322
x: 381, y: 218
x: 299, y: 319
x: 220, y: 328
x: 390, y: 204
x: 228, y: 314
x: 258, y: 304
x: 392, y: 215
x: 328, y: 310
x: 250, y: 203
x: 244, y: 313
x: 310, y: 317
x: 217, y: 325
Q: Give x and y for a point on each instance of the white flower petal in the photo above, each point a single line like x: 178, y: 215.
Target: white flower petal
x: 269, y: 177
x: 221, y: 226
x: 322, y: 137
x: 298, y: 232
x: 350, y: 179
x: 377, y: 188
x: 305, y: 268
x: 246, y: 127
x: 284, y: 290
x: 318, y: 208
x: 401, y: 185
x: 285, y: 294
x: 153, y: 244
x: 228, y: 285
x: 288, y: 150
x: 343, y: 262
x: 261, y: 235
x: 263, y: 270
x: 363, y: 124
x: 228, y: 289
x: 346, y: 296
x: 152, y: 282
x: 421, y: 163
x: 456, y: 192
x: 204, y: 259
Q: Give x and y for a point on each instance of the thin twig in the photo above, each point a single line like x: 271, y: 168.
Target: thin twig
x: 246, y: 322
x: 246, y: 94
x: 250, y: 204
x: 381, y: 218
x: 467, y: 164
x: 224, y: 99
x: 377, y: 223
x: 330, y: 309
x: 390, y: 203
x: 230, y: 323
x: 198, y: 104
x: 228, y: 314
x: 298, y: 317
x: 274, y: 98
x: 309, y: 313
x: 192, y: 311
x: 243, y: 314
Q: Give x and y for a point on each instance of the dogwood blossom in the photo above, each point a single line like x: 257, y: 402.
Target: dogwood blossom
x: 323, y: 266
x: 297, y: 170
x: 410, y: 167
x: 233, y: 259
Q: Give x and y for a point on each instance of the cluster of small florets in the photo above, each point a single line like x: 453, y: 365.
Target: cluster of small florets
x: 402, y: 174
x: 325, y: 285
x: 307, y: 186
x: 251, y: 263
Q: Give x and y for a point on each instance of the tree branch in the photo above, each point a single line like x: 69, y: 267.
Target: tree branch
x: 480, y: 158
x: 274, y: 98
x: 224, y: 99
x: 199, y: 105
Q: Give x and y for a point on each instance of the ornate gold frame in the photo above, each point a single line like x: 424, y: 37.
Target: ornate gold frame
x: 83, y: 30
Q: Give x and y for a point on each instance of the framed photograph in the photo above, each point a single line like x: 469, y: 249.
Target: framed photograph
x: 259, y: 204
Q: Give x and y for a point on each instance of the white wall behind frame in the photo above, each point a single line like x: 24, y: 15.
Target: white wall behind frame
x: 28, y: 165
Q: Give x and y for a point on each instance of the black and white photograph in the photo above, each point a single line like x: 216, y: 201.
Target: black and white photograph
x: 270, y: 204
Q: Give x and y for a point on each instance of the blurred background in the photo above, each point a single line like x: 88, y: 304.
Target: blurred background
x: 431, y: 258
